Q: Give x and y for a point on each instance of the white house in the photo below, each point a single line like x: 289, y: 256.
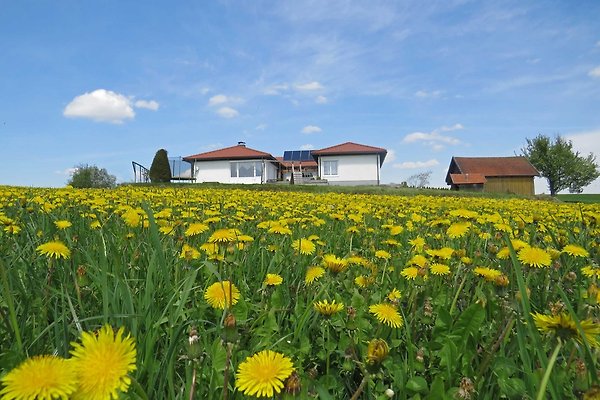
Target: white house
x: 350, y: 164
x: 344, y: 164
x: 235, y: 164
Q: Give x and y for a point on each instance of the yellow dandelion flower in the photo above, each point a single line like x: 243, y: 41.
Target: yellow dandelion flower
x: 304, y: 246
x: 363, y: 281
x: 357, y: 260
x: 326, y: 308
x: 387, y: 314
x: 40, y: 377
x: 410, y: 272
x: 396, y: 230
x: 224, y: 235
x: 95, y: 224
x: 312, y: 274
x: 575, y: 251
x: 131, y: 218
x: 590, y: 271
x: 63, y: 224
x: 394, y: 295
x: 273, y: 280
x: 417, y: 243
x: 565, y: 327
x: 382, y: 254
x: 503, y: 253
x: 195, y: 228
x: 418, y: 260
x: 353, y: 229
x: 518, y: 244
x: 222, y: 294
x: 102, y: 363
x: 439, y: 269
x: 444, y: 253
x: 334, y: 263
x: 54, y: 249
x: 377, y: 351
x: 189, y: 253
x: 489, y: 274
x: 534, y: 257
x: 458, y: 230
x: 280, y: 230
x: 263, y: 374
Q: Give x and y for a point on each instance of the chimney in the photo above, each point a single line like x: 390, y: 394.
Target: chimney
x: 242, y: 144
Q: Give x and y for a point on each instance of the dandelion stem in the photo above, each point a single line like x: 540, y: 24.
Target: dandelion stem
x: 542, y: 392
x: 455, y: 299
x: 11, y: 307
x: 360, y: 388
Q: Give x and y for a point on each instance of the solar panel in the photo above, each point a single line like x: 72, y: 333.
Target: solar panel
x: 297, y: 155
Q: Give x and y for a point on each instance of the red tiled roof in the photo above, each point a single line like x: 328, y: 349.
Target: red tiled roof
x: 467, y: 179
x: 305, y: 164
x: 351, y: 148
x: 230, y: 153
x: 495, y: 166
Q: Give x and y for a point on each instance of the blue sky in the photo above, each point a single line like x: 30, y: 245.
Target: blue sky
x: 110, y: 82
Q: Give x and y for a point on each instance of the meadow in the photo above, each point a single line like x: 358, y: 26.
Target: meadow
x: 226, y: 293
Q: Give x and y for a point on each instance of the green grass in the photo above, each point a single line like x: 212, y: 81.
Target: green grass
x: 579, y: 198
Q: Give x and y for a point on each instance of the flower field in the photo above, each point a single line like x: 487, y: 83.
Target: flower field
x: 189, y: 292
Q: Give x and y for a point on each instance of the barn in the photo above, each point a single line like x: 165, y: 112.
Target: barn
x: 492, y: 174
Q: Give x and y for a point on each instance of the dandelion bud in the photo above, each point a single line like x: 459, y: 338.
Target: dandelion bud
x: 377, y: 351
x: 194, y: 349
x: 389, y: 393
x: 420, y: 357
x: 351, y: 311
x: 466, y: 389
x: 571, y: 276
x: 492, y: 248
x: 593, y: 393
x: 230, y: 321
x: 501, y: 280
x: 427, y: 308
x: 292, y: 384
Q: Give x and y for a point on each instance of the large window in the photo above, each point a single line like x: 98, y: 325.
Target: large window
x: 246, y: 169
x: 330, y: 167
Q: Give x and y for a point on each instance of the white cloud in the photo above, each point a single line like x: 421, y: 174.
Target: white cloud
x: 228, y: 112
x: 307, y: 147
x: 261, y: 127
x: 308, y: 129
x: 276, y: 89
x: 435, y: 139
x: 67, y: 172
x: 595, y: 73
x: 321, y: 100
x: 147, y: 104
x: 417, y: 164
x: 314, y: 85
x: 102, y: 106
x: 598, y: 43
x: 423, y: 94
x: 217, y: 99
x: 391, y: 156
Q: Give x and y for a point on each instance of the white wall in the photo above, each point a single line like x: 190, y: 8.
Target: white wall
x: 352, y: 169
x: 220, y: 171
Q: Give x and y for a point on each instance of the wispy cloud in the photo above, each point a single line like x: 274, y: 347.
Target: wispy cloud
x: 423, y: 94
x: 435, y: 139
x: 105, y: 106
x: 321, y: 100
x: 417, y: 164
x: 261, y: 127
x: 314, y: 85
x: 595, y: 73
x: 148, y: 105
x: 309, y: 129
x: 228, y: 112
x: 307, y: 147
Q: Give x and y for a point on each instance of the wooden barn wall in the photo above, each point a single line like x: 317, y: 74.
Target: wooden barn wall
x: 517, y: 185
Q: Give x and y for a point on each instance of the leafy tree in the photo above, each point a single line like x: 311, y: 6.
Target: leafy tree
x: 419, y: 180
x: 160, y: 170
x: 562, y: 167
x: 90, y: 176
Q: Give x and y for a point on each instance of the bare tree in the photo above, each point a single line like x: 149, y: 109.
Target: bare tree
x: 419, y: 180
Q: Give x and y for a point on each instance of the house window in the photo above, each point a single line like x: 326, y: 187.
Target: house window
x: 330, y: 167
x: 246, y: 169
